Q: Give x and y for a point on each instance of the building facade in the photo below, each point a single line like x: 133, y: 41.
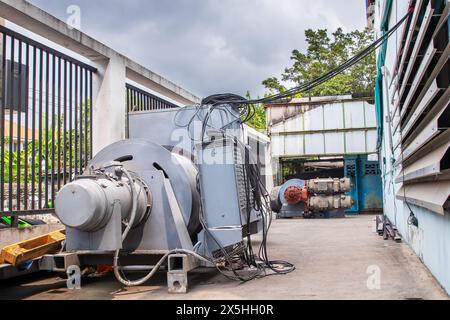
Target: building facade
x: 413, y: 102
x: 17, y: 139
x: 370, y: 13
x: 323, y: 137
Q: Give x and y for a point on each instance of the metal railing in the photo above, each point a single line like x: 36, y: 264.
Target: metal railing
x: 46, y: 123
x: 140, y: 100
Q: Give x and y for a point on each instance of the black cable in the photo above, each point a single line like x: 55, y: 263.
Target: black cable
x: 412, y: 220
x: 261, y: 204
x: 229, y: 259
x: 246, y: 108
x: 234, y: 99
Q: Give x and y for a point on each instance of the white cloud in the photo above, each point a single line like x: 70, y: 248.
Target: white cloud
x: 211, y: 46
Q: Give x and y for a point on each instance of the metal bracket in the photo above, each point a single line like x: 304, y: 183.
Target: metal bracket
x: 180, y: 225
x: 58, y: 262
x: 177, y: 282
x: 107, y: 239
x: 177, y: 276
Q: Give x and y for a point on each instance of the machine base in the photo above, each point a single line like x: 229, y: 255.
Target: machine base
x: 177, y: 265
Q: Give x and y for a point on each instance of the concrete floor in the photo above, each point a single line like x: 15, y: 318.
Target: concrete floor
x: 332, y: 259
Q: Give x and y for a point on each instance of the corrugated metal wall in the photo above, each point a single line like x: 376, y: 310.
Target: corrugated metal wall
x: 340, y: 126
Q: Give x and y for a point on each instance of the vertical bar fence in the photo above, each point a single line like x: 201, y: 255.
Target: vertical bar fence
x: 46, y: 124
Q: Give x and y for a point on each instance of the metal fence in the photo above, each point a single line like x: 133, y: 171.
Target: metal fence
x: 46, y: 123
x: 140, y: 100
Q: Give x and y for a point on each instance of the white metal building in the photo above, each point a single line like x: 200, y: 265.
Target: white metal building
x: 322, y: 126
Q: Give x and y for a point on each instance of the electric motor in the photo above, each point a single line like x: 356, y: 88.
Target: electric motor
x: 297, y: 198
x: 329, y: 186
x: 333, y: 202
x: 87, y: 203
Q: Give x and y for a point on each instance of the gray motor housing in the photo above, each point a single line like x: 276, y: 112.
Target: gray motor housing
x: 94, y: 198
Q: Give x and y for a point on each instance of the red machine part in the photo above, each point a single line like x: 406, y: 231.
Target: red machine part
x: 296, y: 194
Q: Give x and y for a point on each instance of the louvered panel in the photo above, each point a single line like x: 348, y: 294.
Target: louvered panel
x: 424, y: 103
x: 428, y: 130
x: 411, y: 31
x: 429, y: 95
x: 408, y: 60
x: 423, y: 67
x: 422, y: 124
x: 418, y: 44
x: 431, y: 92
x: 433, y: 165
x: 431, y: 195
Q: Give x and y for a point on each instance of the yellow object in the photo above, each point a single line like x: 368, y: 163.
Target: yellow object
x: 20, y: 252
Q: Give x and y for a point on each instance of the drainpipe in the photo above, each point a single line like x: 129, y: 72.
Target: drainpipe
x: 380, y: 64
x: 385, y: 73
x: 357, y: 177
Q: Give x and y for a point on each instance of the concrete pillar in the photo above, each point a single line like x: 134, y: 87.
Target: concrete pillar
x: 109, y: 103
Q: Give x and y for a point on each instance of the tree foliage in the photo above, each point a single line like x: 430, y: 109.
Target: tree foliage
x: 59, y: 146
x: 258, y: 121
x: 325, y: 53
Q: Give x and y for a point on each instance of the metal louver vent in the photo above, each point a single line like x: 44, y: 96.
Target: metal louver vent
x: 421, y: 111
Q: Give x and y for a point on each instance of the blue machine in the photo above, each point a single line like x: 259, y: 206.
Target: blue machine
x: 367, y: 186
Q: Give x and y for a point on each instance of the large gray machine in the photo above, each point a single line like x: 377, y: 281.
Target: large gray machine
x: 175, y: 195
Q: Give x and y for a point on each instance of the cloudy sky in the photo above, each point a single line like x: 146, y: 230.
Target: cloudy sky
x: 210, y: 46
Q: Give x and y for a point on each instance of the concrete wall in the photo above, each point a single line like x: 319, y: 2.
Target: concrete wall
x: 430, y: 240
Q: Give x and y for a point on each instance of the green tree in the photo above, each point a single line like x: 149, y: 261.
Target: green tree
x: 59, y: 145
x: 325, y: 53
x: 258, y: 121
